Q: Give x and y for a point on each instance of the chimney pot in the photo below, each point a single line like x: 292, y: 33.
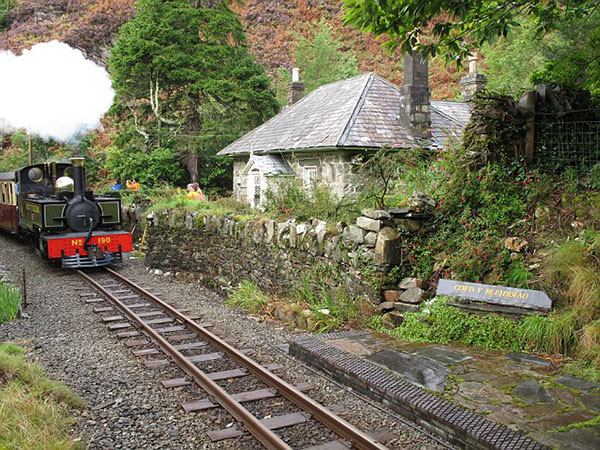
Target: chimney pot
x: 473, y: 64
x: 473, y: 82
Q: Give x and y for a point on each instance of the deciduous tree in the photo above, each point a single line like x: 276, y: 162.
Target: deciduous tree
x: 452, y: 27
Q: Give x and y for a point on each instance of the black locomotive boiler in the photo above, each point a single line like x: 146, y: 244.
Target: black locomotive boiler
x: 49, y: 205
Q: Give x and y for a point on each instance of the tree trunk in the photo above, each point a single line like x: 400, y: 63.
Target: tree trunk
x: 190, y: 161
x: 190, y: 152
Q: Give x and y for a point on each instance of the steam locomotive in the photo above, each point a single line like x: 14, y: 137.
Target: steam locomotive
x: 49, y: 205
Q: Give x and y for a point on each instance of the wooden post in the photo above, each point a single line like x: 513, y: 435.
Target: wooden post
x: 24, y: 288
x: 530, y: 122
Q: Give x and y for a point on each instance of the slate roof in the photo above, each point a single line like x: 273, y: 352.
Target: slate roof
x: 269, y: 165
x: 448, y: 119
x: 357, y: 112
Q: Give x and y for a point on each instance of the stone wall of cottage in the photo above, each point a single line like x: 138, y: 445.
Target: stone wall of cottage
x: 333, y: 169
x: 223, y: 250
x: 239, y: 181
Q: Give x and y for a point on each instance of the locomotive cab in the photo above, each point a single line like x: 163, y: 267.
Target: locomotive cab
x: 66, y: 221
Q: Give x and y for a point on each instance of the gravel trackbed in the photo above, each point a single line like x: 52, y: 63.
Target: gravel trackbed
x: 127, y: 406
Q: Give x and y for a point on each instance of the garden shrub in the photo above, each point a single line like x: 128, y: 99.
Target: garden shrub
x: 475, y: 206
x: 151, y: 168
x: 286, y: 199
x: 168, y: 198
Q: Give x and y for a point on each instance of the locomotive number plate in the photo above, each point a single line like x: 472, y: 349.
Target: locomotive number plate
x: 93, y: 241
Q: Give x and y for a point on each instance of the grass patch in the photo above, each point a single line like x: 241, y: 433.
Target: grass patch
x: 575, y: 269
x: 445, y: 324
x: 34, y: 410
x: 137, y: 254
x: 588, y: 423
x: 574, y: 272
x: 10, y: 300
x: 332, y: 307
x: 310, y: 305
x: 517, y: 275
x: 248, y: 296
x: 551, y: 334
x: 582, y: 368
x: 554, y: 334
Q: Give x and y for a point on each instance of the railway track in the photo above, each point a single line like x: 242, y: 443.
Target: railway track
x: 154, y: 329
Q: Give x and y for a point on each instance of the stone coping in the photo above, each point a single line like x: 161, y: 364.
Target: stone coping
x: 451, y: 422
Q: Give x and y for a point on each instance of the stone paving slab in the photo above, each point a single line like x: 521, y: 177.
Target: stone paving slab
x: 461, y: 392
x: 452, y: 422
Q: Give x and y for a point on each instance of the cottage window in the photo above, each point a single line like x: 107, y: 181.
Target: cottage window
x: 309, y: 177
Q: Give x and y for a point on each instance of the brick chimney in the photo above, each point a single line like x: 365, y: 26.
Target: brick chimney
x: 473, y: 82
x: 296, y: 91
x: 415, y: 108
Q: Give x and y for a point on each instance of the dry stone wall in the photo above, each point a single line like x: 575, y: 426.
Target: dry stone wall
x: 225, y: 250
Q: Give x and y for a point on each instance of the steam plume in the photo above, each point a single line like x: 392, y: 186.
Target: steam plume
x: 52, y: 91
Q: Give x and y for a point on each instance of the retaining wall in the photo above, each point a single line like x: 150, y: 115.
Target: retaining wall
x: 226, y: 250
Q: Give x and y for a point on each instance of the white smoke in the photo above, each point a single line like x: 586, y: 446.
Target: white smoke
x: 52, y: 91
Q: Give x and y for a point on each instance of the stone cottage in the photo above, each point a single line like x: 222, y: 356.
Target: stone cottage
x: 318, y: 137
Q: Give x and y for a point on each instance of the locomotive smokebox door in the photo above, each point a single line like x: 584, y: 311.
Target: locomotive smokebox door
x: 82, y: 214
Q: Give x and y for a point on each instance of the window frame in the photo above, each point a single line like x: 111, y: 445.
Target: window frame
x: 308, y: 181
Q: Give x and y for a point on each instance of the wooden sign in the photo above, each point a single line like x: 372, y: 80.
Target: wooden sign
x: 499, y: 295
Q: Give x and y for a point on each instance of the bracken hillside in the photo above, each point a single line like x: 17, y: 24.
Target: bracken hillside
x: 272, y: 26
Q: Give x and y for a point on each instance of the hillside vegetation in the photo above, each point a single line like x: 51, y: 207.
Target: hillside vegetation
x: 272, y: 28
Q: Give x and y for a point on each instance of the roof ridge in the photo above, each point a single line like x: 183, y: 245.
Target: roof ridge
x: 388, y: 82
x: 344, y: 80
x: 357, y: 107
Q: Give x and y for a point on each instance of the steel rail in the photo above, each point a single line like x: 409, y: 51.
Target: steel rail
x: 338, y: 425
x: 267, y: 437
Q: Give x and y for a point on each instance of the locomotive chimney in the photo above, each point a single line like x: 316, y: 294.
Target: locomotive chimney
x: 78, y: 177
x: 53, y: 173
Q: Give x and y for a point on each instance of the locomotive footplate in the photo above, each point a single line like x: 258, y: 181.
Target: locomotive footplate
x: 102, y: 245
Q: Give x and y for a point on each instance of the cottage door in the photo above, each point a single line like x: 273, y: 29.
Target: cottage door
x: 254, y: 188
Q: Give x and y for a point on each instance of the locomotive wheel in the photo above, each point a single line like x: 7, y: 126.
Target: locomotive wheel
x: 41, y: 246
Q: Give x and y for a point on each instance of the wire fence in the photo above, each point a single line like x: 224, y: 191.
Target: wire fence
x: 561, y: 142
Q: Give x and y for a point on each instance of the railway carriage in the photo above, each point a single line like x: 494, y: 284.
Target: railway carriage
x: 8, y: 203
x: 49, y: 205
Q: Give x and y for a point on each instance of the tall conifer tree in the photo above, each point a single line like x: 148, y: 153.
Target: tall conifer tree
x: 184, y: 70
